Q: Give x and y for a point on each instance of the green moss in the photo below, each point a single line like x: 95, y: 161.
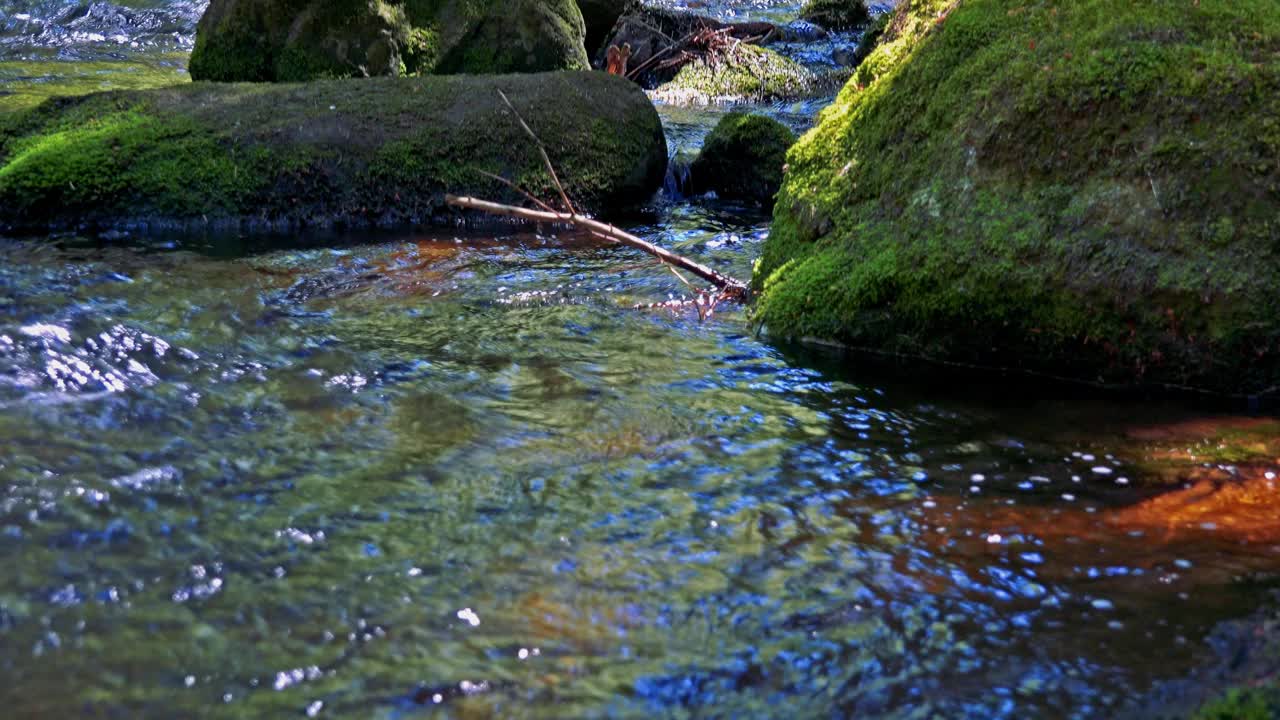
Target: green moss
x: 837, y: 15
x: 25, y: 84
x: 378, y: 151
x: 1071, y: 187
x: 744, y: 72
x: 742, y: 158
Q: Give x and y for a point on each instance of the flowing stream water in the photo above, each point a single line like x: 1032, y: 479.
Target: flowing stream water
x: 406, y: 475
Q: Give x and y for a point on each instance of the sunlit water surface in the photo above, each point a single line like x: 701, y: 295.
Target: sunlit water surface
x: 396, y: 476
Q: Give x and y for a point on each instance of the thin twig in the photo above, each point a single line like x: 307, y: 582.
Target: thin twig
x: 546, y: 159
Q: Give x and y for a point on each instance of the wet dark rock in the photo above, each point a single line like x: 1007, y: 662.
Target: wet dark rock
x: 600, y: 17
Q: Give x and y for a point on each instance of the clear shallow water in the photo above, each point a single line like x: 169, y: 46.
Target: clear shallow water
x: 418, y: 475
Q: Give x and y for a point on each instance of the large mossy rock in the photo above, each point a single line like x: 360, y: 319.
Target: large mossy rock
x: 1086, y: 188
x: 296, y: 40
x: 376, y: 152
x: 742, y: 158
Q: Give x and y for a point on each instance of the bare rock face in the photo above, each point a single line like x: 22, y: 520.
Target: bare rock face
x: 297, y: 40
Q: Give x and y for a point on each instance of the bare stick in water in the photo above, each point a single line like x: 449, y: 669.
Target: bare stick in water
x: 730, y: 286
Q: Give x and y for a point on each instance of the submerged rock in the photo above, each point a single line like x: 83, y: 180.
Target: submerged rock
x: 742, y: 158
x: 1090, y: 189
x: 378, y: 152
x: 294, y: 40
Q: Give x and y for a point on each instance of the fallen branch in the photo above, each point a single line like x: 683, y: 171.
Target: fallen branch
x: 732, y: 287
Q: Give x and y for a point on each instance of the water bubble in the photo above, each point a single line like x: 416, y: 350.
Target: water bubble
x: 469, y: 615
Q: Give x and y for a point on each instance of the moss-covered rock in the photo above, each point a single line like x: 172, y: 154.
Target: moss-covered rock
x: 294, y: 40
x: 1087, y: 188
x: 381, y: 151
x: 1242, y: 704
x: 742, y: 158
x: 839, y: 15
x: 741, y: 73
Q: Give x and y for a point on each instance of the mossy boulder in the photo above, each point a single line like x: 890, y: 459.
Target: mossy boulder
x: 1087, y: 188
x: 838, y: 15
x: 742, y: 158
x: 296, y: 40
x: 375, y: 152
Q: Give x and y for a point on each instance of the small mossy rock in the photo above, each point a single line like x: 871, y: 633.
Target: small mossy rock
x: 600, y: 17
x: 357, y: 153
x: 741, y: 73
x: 298, y: 40
x: 742, y: 158
x: 1089, y: 189
x: 838, y: 15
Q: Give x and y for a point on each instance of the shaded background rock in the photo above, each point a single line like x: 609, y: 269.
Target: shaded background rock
x: 293, y: 40
x: 840, y: 15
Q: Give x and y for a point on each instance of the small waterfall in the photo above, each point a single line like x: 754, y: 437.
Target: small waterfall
x: 676, y: 182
